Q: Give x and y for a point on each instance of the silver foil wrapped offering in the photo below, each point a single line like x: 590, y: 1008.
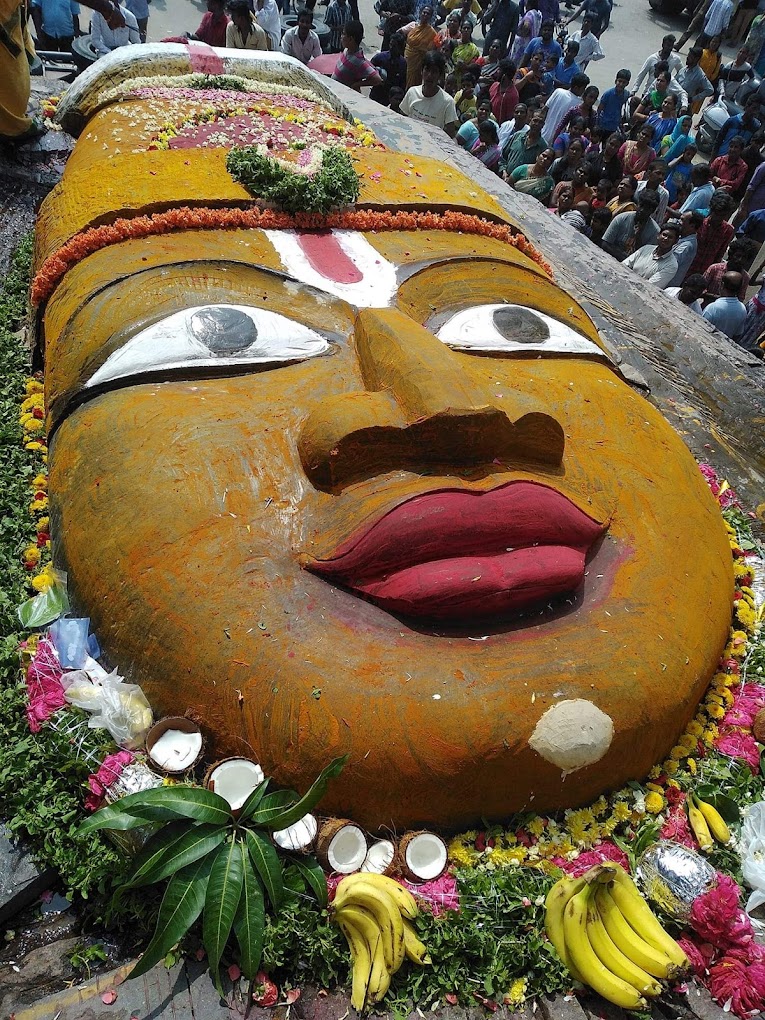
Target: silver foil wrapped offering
x: 135, y: 778
x: 672, y: 876
x: 758, y: 584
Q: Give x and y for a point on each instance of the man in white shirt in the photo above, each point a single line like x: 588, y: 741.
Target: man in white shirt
x: 561, y: 102
x: 517, y: 125
x: 301, y: 41
x: 589, y: 44
x: 267, y: 16
x: 105, y: 39
x: 654, y: 176
x: 690, y: 293
x: 429, y: 102
x: 656, y: 263
x: 647, y: 72
x: 728, y: 313
x: 686, y: 248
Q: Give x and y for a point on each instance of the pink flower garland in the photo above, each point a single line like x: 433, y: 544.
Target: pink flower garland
x: 44, y: 690
x: 99, y: 782
x: 604, y: 851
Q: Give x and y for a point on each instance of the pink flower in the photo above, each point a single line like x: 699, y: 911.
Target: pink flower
x: 266, y: 993
x: 699, y: 959
x: 676, y: 827
x: 746, y: 704
x: 739, y: 981
x: 112, y: 766
x: 717, y: 917
x: 44, y: 691
x: 441, y: 893
x: 605, y: 851
x: 740, y: 745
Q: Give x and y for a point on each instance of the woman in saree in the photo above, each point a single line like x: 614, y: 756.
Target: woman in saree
x: 466, y: 52
x: 625, y: 196
x: 637, y: 154
x: 679, y: 140
x: 534, y: 178
x: 449, y: 37
x: 420, y: 37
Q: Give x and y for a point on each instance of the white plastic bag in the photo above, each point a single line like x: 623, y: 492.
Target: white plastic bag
x: 752, y: 850
x: 120, y: 708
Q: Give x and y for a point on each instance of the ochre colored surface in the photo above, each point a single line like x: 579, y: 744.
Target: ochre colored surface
x: 131, y: 184
x: 191, y: 507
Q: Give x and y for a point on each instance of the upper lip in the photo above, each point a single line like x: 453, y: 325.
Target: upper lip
x: 456, y: 523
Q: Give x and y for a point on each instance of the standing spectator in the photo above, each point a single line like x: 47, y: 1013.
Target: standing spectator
x: 429, y: 102
x: 466, y: 52
x: 561, y: 102
x: 666, y: 54
x: 728, y: 312
x: 662, y: 86
x: 734, y: 73
x: 489, y: 65
x: 528, y: 28
x: 267, y: 16
x: 420, y: 38
x: 244, y: 33
x: 392, y: 62
x: 612, y: 103
x: 104, y: 39
x: 685, y: 249
x: 212, y: 27
x: 449, y: 36
x: 465, y: 98
x: 754, y: 324
x: 755, y: 43
x: 337, y: 15
x: 711, y: 61
x: 589, y: 44
x: 715, y: 234
x: 631, y: 230
x: 504, y: 94
x: 565, y: 138
x: 690, y: 293
x: 740, y: 256
x: 585, y: 110
x: 567, y: 66
x: 625, y: 197
x: 680, y: 138
x: 653, y: 182
x: 499, y: 23
x: 56, y: 24
x: 730, y: 170
x: 702, y: 190
x: 529, y: 80
x: 695, y: 24
x: 550, y: 10
x: 600, y: 220
x: 754, y: 196
x: 564, y: 167
x: 486, y: 146
x: 605, y: 164
x: 692, y: 79
x: 599, y: 13
x: 302, y: 42
x: 545, y: 43
x: 663, y: 123
x: 637, y: 154
x: 353, y: 69
x: 741, y: 125
x: 753, y: 227
x: 524, y: 148
x: 656, y: 263
x: 719, y: 14
x: 140, y: 11
x: 393, y: 15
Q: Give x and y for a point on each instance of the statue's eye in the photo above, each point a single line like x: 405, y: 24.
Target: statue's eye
x: 512, y: 329
x: 212, y: 336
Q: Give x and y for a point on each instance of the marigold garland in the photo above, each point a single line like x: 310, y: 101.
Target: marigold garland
x: 186, y: 218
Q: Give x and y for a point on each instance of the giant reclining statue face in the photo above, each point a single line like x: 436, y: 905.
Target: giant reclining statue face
x: 375, y: 491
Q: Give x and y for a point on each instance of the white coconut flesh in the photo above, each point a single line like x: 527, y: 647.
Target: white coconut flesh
x: 235, y: 780
x: 347, y: 850
x: 426, y: 856
x: 299, y: 836
x: 175, y: 750
x: 379, y: 857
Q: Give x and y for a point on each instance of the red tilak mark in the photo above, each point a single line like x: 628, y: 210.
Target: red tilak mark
x: 323, y: 251
x: 204, y: 59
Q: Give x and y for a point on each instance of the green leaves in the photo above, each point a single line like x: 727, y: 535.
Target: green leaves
x: 194, y: 844
x: 267, y: 865
x: 309, y: 800
x: 221, y: 902
x: 273, y: 806
x: 253, y: 801
x: 249, y: 923
x: 162, y: 804
x: 334, y: 183
x: 314, y: 877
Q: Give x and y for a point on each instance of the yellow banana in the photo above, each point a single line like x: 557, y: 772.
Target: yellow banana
x: 381, y: 904
x: 715, y: 821
x: 633, y: 946
x: 614, y: 959
x: 379, y: 979
x: 699, y: 826
x: 415, y: 950
x: 639, y: 916
x: 406, y: 902
x: 584, y: 958
x: 361, y: 961
x: 555, y: 904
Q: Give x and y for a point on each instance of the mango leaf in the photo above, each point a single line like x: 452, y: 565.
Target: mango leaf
x: 267, y: 865
x: 253, y: 800
x: 196, y: 843
x: 224, y: 891
x: 250, y: 920
x: 273, y: 805
x: 314, y: 877
x: 163, y: 803
x: 159, y: 845
x: 181, y: 906
x: 310, y: 799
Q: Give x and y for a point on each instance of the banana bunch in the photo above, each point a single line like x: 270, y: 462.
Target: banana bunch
x: 707, y: 823
x: 375, y: 914
x: 608, y: 938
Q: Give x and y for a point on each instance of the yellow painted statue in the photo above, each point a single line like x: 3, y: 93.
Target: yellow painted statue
x: 362, y: 481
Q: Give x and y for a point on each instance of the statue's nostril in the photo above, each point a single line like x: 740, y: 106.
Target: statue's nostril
x: 521, y: 325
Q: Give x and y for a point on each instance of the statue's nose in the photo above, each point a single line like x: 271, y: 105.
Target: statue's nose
x: 419, y: 411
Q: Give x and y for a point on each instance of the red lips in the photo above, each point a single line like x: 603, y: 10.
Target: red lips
x: 458, y: 555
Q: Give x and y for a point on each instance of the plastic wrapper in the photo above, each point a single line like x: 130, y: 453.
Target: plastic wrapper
x: 47, y: 606
x: 135, y: 778
x: 758, y: 584
x: 73, y: 642
x: 120, y: 708
x: 672, y: 876
x: 752, y: 850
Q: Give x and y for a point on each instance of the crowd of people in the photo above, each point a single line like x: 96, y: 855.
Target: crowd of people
x: 620, y: 168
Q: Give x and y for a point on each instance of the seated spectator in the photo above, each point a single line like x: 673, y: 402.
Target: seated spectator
x: 743, y: 125
x: 468, y: 132
x: 244, y: 33
x: 685, y: 249
x: 605, y: 163
x: 353, y: 68
x: 465, y: 98
x: 636, y: 155
x: 679, y: 172
x: 715, y: 233
x: 611, y: 109
x: 578, y: 181
x: 56, y: 24
x: 600, y: 220
x: 486, y: 146
x: 656, y: 263
x: 729, y: 171
x: 567, y: 66
x: 524, y: 147
x: 564, y: 166
x: 602, y: 194
x: 690, y: 293
x: 653, y: 99
x: 396, y: 98
x: 631, y: 230
x: 449, y: 36
x: 565, y: 138
x: 518, y: 122
x: 728, y: 312
x: 562, y: 199
x: 104, y: 39
x: 303, y: 43
x: 625, y: 196
x: 534, y: 178
x: 503, y: 93
x: 578, y: 218
x: 741, y: 254
x: 586, y: 110
x: 679, y: 140
x: 653, y: 181
x: 663, y: 123
x: 429, y: 102
x: 702, y: 189
x: 391, y: 66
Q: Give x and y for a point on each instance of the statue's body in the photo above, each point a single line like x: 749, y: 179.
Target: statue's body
x: 377, y: 493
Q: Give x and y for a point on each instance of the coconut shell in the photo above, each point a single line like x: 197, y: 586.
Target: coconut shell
x: 173, y: 722
x: 328, y: 829
x: 208, y: 782
x: 399, y: 865
x: 391, y: 869
x: 758, y: 727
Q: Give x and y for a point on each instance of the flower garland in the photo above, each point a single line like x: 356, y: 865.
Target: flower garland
x: 168, y: 86
x: 36, y: 555
x: 186, y: 218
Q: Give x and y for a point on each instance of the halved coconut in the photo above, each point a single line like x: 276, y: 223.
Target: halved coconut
x: 380, y: 857
x: 234, y: 779
x: 341, y: 846
x: 298, y: 837
x: 174, y: 744
x: 423, y: 856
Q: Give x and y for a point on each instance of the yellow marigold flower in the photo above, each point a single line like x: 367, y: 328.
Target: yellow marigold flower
x: 677, y: 753
x: 43, y: 523
x: 33, y: 445
x: 460, y: 855
x: 600, y: 806
x: 655, y: 772
x: 31, y: 556
x: 536, y: 826
x: 33, y: 386
x: 501, y: 858
x: 610, y: 826
x: 41, y: 582
x: 691, y: 763
x: 34, y: 425
x: 40, y: 481
x: 670, y: 767
x: 517, y: 992
x: 654, y: 803
x: 38, y: 504
x: 715, y: 711
x: 622, y: 811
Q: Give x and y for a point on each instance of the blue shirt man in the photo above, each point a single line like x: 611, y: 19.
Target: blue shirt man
x: 56, y: 20
x: 612, y: 102
x: 744, y: 124
x: 567, y: 66
x: 543, y: 43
